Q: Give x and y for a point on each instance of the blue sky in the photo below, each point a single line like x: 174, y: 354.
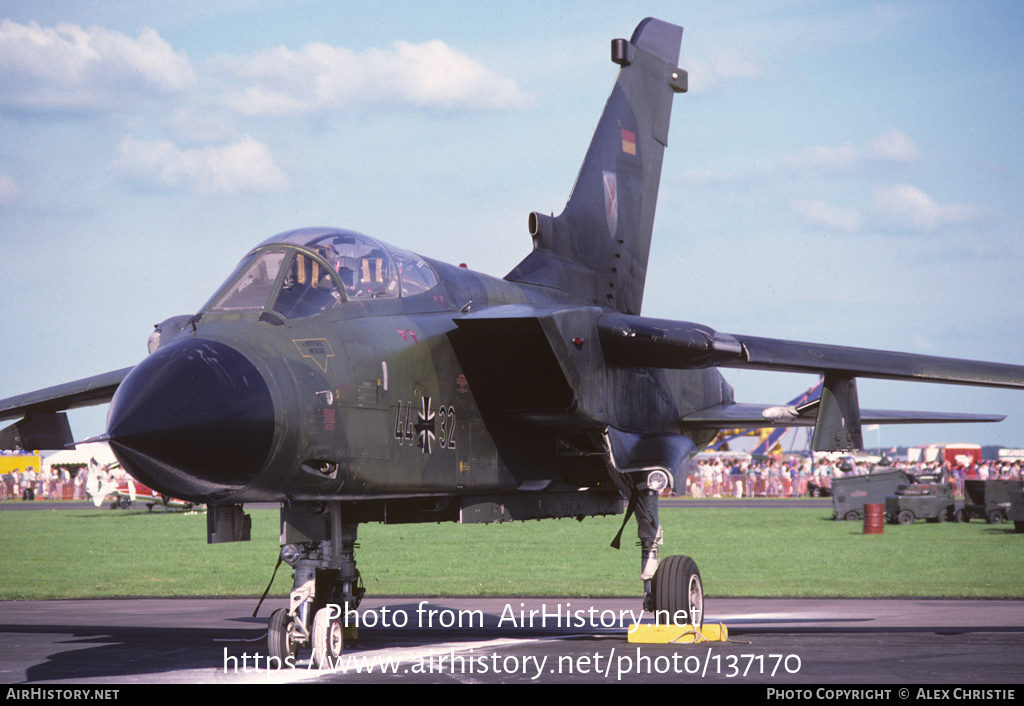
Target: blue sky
x: 841, y: 173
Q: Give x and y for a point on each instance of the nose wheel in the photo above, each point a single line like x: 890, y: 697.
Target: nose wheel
x: 281, y: 637
x: 328, y: 638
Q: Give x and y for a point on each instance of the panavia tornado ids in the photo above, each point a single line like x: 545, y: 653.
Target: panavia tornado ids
x: 356, y: 382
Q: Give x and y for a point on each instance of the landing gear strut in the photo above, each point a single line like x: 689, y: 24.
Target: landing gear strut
x: 673, y: 589
x: 326, y: 585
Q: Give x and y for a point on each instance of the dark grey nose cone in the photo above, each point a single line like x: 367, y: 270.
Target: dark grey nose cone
x: 194, y: 420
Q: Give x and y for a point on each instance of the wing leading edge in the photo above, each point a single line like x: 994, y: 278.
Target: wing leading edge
x: 44, y: 424
x: 837, y: 417
x: 638, y: 340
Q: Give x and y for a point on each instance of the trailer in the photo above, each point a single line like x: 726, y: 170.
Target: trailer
x: 851, y: 493
x: 994, y: 501
x: 930, y: 501
x: 948, y: 454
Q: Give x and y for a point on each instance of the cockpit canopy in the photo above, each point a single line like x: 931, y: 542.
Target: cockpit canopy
x: 304, y: 272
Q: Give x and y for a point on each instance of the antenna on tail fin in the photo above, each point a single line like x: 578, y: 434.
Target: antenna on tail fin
x: 605, y: 229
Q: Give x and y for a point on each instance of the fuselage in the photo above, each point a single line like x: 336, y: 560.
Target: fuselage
x: 320, y: 387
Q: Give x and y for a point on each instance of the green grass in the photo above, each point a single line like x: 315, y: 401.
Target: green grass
x: 741, y: 552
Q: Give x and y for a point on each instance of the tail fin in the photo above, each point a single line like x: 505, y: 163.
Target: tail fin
x: 604, y: 233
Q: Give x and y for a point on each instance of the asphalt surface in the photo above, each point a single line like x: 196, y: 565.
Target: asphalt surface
x: 772, y: 642
x: 892, y: 643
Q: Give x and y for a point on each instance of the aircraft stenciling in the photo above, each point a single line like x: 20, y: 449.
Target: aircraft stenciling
x: 316, y: 349
x: 423, y: 432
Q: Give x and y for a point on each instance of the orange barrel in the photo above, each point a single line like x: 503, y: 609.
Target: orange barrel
x: 874, y: 518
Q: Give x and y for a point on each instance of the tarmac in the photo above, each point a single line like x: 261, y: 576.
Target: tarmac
x: 902, y: 643
x: 894, y: 645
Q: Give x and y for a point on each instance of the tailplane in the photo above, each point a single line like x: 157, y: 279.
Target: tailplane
x: 597, y: 249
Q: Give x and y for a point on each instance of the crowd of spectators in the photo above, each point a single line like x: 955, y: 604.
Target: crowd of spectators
x: 30, y: 483
x: 714, y: 477
x: 793, y: 477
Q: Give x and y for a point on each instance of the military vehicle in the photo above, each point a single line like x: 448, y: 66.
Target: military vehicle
x: 851, y: 493
x: 994, y: 501
x: 931, y: 501
x: 356, y: 382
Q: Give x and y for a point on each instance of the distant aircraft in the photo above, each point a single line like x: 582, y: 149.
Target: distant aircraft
x: 100, y: 486
x: 768, y: 437
x: 356, y: 382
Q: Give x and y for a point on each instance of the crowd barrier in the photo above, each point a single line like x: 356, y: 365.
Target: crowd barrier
x: 43, y: 489
x: 698, y: 486
x: 744, y: 486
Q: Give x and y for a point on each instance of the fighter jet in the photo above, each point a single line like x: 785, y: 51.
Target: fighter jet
x: 356, y: 382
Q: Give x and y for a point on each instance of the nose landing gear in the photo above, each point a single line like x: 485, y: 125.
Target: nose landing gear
x: 326, y: 588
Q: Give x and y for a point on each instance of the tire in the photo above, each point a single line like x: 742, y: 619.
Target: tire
x: 906, y: 517
x: 961, y: 516
x: 328, y: 638
x: 279, y: 638
x: 851, y: 516
x: 945, y: 515
x: 677, y: 586
x: 996, y: 517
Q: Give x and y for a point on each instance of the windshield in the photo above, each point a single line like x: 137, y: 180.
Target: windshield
x: 290, y: 282
x: 305, y: 272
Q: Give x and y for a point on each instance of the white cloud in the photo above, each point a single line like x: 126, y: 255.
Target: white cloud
x: 245, y: 166
x: 8, y: 190
x: 721, y: 69
x: 906, y: 206
x: 320, y: 77
x: 899, y: 207
x: 825, y: 215
x: 68, y: 67
x: 827, y: 158
x: 890, y: 147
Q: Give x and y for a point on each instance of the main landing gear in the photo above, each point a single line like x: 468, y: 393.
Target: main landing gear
x: 673, y: 589
x: 326, y: 587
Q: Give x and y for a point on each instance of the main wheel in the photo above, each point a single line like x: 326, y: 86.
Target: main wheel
x: 906, y: 517
x: 996, y: 517
x: 328, y: 638
x: 279, y: 637
x: 851, y: 516
x: 945, y: 515
x: 677, y: 586
x: 961, y: 516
